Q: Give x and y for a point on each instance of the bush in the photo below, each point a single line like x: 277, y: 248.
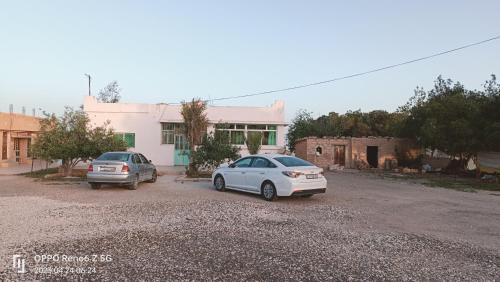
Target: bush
x: 254, y: 141
x: 213, y: 151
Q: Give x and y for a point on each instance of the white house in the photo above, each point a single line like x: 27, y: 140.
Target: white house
x: 156, y: 129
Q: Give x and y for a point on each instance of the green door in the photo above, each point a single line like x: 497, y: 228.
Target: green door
x: 181, y: 153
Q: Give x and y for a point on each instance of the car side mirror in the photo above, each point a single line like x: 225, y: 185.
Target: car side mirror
x: 231, y: 166
x: 150, y: 161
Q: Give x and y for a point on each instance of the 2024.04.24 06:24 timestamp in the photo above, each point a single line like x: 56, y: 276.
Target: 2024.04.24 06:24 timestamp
x: 65, y: 270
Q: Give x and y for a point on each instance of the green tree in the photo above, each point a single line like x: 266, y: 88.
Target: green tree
x: 214, y: 150
x: 447, y: 118
x: 354, y: 124
x: 195, y: 125
x: 490, y: 115
x: 302, y: 126
x: 328, y: 125
x: 71, y: 139
x: 254, y: 141
x: 382, y: 123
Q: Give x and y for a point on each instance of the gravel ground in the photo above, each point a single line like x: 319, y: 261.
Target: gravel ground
x: 363, y: 228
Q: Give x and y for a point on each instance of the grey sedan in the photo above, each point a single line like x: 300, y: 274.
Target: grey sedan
x: 121, y: 168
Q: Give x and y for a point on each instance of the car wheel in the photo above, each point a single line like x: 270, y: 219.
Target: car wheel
x: 219, y: 183
x: 95, y: 185
x: 154, y: 177
x: 135, y: 183
x: 268, y: 191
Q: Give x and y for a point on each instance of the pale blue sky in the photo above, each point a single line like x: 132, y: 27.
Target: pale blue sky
x: 165, y: 51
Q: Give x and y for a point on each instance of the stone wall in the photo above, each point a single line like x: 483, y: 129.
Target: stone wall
x: 355, y: 149
x: 307, y: 150
x: 301, y: 149
x: 386, y: 148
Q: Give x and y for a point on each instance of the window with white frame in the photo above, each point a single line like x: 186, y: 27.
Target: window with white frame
x: 168, y: 131
x: 239, y: 132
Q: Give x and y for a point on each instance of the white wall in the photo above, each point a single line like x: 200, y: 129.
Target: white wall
x: 145, y: 121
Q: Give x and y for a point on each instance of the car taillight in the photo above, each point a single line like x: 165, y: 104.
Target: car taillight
x: 91, y: 168
x: 125, y: 168
x: 292, y: 174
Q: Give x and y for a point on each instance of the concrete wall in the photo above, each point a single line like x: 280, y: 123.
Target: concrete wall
x: 18, y: 122
x: 19, y: 126
x: 145, y: 121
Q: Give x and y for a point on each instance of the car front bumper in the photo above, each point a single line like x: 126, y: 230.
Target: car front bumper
x: 109, y: 178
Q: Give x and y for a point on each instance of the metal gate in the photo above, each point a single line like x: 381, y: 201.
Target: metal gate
x: 17, y: 149
x: 181, y: 152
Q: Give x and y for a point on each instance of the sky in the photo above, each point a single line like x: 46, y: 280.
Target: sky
x: 169, y: 51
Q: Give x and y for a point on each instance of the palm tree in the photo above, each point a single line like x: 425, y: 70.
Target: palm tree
x: 195, y: 125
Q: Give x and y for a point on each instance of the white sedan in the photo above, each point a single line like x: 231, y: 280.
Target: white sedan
x: 271, y: 176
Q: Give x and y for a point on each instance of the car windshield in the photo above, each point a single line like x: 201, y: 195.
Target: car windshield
x: 122, y: 157
x: 292, y: 161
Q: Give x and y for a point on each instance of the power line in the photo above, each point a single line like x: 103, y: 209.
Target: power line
x: 356, y: 74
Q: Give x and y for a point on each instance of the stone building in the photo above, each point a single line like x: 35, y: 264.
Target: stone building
x: 354, y: 152
x: 17, y: 132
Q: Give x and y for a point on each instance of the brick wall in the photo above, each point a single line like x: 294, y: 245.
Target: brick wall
x: 301, y: 149
x: 386, y: 148
x: 355, y: 149
x: 307, y: 150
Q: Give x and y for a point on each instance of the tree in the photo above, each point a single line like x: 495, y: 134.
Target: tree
x: 355, y: 125
x: 110, y: 93
x: 214, y: 150
x: 195, y: 125
x: 328, y: 125
x: 71, y: 139
x: 490, y: 115
x: 448, y: 118
x: 254, y: 141
x: 302, y: 126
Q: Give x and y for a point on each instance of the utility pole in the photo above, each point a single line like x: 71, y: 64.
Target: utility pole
x: 90, y: 78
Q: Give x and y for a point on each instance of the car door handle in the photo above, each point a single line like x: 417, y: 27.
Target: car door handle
x: 243, y: 172
x: 262, y: 173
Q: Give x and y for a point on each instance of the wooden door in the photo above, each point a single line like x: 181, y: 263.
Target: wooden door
x: 339, y: 155
x: 4, y: 146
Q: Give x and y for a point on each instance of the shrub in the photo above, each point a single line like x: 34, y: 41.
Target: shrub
x: 254, y: 141
x: 213, y: 151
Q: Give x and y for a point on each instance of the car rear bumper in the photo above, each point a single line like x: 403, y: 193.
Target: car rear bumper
x: 109, y: 178
x: 308, y: 192
x: 297, y: 187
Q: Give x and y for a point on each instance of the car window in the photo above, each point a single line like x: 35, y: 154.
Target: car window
x: 143, y: 159
x: 271, y: 165
x: 292, y: 161
x: 243, y: 162
x: 122, y: 157
x: 260, y: 162
x: 136, y: 159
